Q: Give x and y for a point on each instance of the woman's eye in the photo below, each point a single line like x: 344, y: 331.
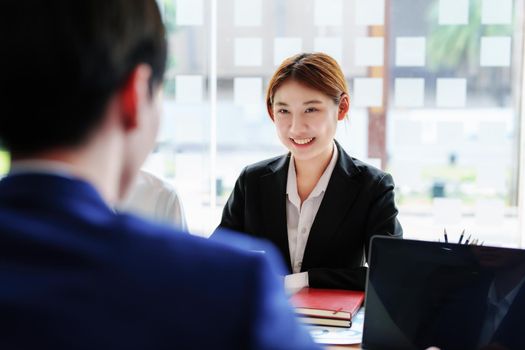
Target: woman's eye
x: 311, y: 110
x: 282, y: 111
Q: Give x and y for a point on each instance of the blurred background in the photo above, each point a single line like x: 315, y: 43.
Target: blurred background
x: 436, y: 92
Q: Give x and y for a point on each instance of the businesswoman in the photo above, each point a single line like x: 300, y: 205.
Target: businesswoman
x: 317, y: 204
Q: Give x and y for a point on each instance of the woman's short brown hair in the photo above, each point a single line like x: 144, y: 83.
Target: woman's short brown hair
x: 315, y: 70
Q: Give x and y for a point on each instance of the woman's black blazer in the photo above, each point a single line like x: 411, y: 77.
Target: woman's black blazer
x: 358, y: 204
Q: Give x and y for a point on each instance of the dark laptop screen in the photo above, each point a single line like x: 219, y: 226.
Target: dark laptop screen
x: 422, y: 294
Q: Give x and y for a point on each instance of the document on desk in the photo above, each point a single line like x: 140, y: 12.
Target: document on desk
x: 338, y: 335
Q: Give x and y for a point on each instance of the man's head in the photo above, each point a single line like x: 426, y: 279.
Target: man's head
x: 67, y: 64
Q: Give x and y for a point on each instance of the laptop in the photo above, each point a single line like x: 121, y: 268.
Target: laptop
x: 421, y: 294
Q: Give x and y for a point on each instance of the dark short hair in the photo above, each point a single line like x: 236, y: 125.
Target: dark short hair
x: 64, y: 59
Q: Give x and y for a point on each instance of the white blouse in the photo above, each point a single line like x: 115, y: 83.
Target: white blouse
x: 300, y: 218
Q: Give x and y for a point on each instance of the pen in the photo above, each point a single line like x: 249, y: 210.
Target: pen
x: 445, y: 234
x: 461, y: 237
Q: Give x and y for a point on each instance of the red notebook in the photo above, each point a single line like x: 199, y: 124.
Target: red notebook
x: 328, y: 303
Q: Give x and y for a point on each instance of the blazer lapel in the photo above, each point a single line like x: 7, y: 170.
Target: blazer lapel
x: 341, y: 192
x: 273, y: 190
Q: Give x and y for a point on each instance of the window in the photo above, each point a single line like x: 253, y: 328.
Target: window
x: 435, y: 88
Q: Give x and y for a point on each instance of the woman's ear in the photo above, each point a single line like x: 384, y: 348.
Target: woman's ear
x: 344, y: 106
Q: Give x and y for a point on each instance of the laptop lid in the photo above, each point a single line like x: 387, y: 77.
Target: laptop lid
x: 421, y: 294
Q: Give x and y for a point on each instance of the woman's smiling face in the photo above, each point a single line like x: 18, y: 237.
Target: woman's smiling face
x: 306, y: 119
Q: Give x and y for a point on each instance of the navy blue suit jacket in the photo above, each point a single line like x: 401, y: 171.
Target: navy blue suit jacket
x: 74, y: 274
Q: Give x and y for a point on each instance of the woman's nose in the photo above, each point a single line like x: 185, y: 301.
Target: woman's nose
x: 297, y: 125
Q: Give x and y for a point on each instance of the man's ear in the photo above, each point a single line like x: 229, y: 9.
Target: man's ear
x: 344, y: 106
x: 133, y: 93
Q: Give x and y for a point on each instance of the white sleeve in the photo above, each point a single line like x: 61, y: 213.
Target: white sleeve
x: 296, y: 281
x: 173, y: 210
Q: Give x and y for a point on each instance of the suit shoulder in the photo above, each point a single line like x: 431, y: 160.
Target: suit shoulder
x: 156, y: 243
x: 365, y: 167
x: 263, y: 166
x: 371, y: 172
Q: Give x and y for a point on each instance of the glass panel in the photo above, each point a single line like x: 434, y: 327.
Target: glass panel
x: 182, y: 152
x: 433, y: 102
x: 454, y: 157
